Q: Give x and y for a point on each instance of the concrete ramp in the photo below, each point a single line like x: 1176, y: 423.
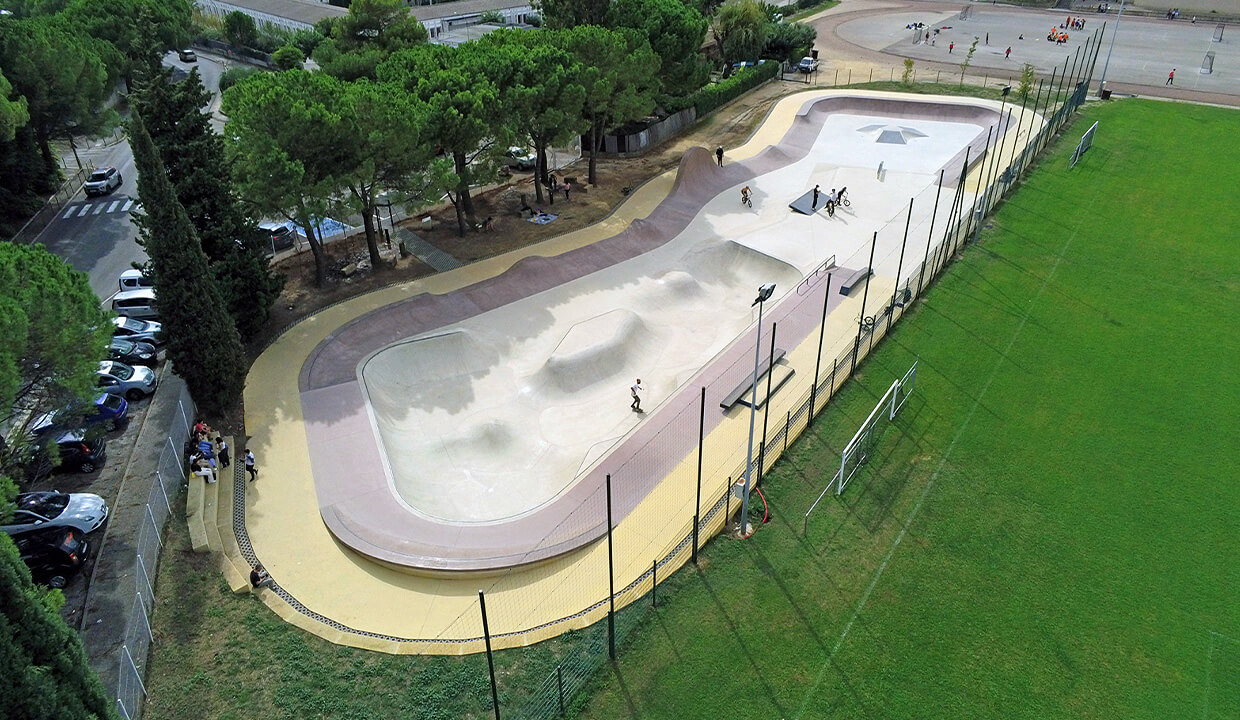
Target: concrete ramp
x: 805, y: 203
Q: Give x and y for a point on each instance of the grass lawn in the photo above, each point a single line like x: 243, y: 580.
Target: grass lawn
x: 1046, y: 530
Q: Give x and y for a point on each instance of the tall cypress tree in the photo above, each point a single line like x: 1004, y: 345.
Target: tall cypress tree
x: 194, y: 160
x: 42, y: 662
x: 203, y: 343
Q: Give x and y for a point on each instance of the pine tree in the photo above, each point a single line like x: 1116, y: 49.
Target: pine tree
x: 42, y: 662
x: 194, y: 160
x: 203, y: 342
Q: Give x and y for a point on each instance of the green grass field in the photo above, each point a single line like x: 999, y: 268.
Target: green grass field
x: 1047, y: 530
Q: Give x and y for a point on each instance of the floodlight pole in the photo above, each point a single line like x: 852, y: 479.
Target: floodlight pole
x: 764, y: 294
x: 1103, y: 81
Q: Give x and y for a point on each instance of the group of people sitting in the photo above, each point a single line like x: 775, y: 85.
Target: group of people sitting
x: 205, y: 457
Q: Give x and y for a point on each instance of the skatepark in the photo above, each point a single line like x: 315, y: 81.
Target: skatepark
x: 456, y: 433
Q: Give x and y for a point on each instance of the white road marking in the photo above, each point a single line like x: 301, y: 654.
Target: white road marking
x: 68, y: 213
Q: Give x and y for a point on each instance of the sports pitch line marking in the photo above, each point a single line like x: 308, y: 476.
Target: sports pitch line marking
x: 878, y: 573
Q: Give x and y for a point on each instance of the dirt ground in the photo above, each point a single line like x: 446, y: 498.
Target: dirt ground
x: 729, y: 126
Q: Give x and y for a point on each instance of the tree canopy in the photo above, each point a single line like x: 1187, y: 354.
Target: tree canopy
x: 51, y: 349
x: 675, y: 32
x: 46, y: 673
x: 372, y: 31
x: 740, y: 29
x: 287, y: 140
x: 61, y: 75
x: 194, y: 159
x: 202, y: 340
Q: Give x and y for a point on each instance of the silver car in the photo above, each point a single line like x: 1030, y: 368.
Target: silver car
x: 117, y: 378
x: 137, y: 330
x: 84, y: 512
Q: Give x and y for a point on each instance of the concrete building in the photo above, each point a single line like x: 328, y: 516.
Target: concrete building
x: 445, y: 22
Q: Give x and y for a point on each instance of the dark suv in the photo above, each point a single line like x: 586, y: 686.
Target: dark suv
x: 80, y: 451
x: 53, y: 555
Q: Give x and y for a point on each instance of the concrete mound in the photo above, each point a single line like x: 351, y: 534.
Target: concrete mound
x: 731, y: 264
x: 597, y: 350
x: 678, y: 283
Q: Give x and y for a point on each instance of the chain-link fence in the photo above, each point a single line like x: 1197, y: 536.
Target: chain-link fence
x: 165, y: 485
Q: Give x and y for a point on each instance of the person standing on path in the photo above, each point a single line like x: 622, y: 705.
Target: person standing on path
x: 637, y: 399
x: 719, y: 155
x: 814, y: 205
x: 1007, y: 53
x: 250, y: 467
x: 950, y: 47
x: 1171, y: 77
x: 222, y: 453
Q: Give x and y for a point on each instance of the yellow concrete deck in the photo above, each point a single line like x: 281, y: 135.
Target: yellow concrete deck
x: 441, y: 614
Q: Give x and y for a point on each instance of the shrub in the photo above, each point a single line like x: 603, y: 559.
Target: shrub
x: 712, y: 96
x: 288, y: 57
x: 492, y: 17
x: 234, y: 75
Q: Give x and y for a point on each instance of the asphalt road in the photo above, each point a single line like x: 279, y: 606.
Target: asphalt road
x: 95, y: 234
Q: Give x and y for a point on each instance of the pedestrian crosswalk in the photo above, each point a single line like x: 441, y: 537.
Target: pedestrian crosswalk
x: 100, y: 207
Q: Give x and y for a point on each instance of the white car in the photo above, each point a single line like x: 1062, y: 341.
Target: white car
x: 85, y: 512
x: 807, y: 65
x: 103, y: 181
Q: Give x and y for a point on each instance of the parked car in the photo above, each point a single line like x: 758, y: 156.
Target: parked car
x: 133, y: 353
x: 78, y: 450
x: 807, y: 65
x: 53, y: 556
x: 187, y: 55
x: 276, y: 237
x: 83, y: 512
x: 138, y: 303
x: 519, y: 158
x: 102, y: 181
x: 117, y: 378
x: 134, y: 280
x: 137, y: 330
x: 109, y: 411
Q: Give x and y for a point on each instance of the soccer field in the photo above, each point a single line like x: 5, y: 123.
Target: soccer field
x: 1046, y: 531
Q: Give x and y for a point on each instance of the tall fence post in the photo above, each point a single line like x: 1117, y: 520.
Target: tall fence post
x: 864, y: 297
x: 611, y: 582
x: 697, y: 503
x: 654, y: 583
x: 559, y: 681
x: 766, y: 412
x: 822, y: 330
x: 925, y: 263
x: 486, y: 634
x: 891, y: 308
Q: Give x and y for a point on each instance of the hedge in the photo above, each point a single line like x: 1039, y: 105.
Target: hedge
x: 712, y: 96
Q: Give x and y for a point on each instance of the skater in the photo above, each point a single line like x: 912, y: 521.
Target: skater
x: 250, y: 466
x: 1171, y: 77
x: 814, y: 205
x: 637, y: 399
x: 833, y: 199
x: 1007, y: 53
x: 719, y: 155
x: 746, y: 196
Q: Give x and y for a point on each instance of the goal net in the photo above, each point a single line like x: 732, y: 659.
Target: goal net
x: 861, y: 448
x: 1087, y: 140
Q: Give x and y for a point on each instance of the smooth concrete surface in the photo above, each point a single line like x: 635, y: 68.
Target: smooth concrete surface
x: 1145, y: 50
x: 382, y: 608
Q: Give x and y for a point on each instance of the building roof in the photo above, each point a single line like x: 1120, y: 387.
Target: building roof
x: 463, y: 7
x: 305, y: 11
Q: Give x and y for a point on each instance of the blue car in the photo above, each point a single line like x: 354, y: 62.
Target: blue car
x: 111, y: 409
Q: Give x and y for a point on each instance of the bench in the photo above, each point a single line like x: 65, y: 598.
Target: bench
x: 853, y: 279
x: 746, y: 385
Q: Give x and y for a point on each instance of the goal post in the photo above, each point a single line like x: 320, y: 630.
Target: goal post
x: 1087, y: 141
x: 862, y: 445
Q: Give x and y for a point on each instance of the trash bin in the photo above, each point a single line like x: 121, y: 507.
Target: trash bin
x: 1105, y: 94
